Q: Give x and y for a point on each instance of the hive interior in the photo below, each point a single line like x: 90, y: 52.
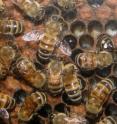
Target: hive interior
x: 85, y: 14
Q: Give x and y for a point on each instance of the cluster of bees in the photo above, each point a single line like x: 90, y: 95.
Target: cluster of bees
x: 54, y: 74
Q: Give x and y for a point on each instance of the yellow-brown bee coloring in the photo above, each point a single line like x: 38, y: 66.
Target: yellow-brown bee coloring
x: 31, y: 8
x: 31, y: 104
x: 6, y: 101
x: 55, y: 84
x: 7, y: 55
x: 99, y: 95
x: 26, y: 68
x: 72, y: 84
x: 11, y: 27
x: 92, y: 60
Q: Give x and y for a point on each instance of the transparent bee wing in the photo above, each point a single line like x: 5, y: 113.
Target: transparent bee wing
x: 34, y: 35
x: 4, y: 114
x: 65, y: 48
x: 75, y: 120
x: 81, y: 120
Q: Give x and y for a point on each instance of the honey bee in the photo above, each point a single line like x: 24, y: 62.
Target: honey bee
x: 72, y: 83
x: 2, y: 6
x: 99, y: 96
x: 31, y: 104
x: 6, y: 101
x: 7, y: 55
x: 26, y: 69
x: 11, y: 27
x: 49, y: 41
x: 93, y: 60
x: 55, y: 84
x: 31, y: 8
x: 108, y: 120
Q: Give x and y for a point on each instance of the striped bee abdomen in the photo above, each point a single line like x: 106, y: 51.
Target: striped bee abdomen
x: 11, y: 27
x: 31, y: 104
x: 6, y: 101
x: 47, y: 45
x: 55, y: 84
x: 46, y: 48
x: 26, y: 69
x: 72, y: 84
x: 99, y: 95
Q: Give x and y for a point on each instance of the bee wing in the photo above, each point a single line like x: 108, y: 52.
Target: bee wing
x: 34, y: 35
x: 76, y: 120
x: 65, y: 48
x: 4, y: 114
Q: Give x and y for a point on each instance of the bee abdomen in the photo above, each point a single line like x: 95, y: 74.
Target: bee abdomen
x: 99, y: 95
x: 55, y: 88
x: 74, y: 95
x: 12, y: 104
x: 43, y: 56
x: 11, y: 27
x: 31, y: 105
x: 41, y: 97
x: 6, y: 101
